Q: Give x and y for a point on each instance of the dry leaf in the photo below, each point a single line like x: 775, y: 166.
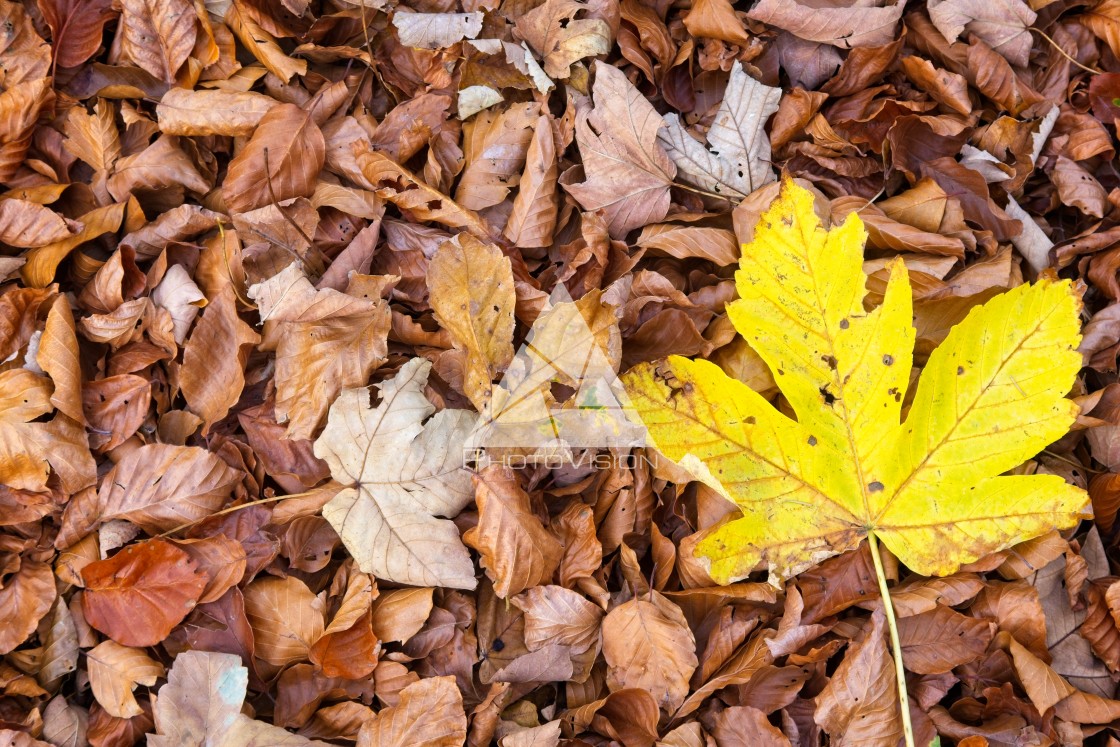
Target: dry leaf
x: 666, y: 657
x: 115, y: 671
x: 430, y: 712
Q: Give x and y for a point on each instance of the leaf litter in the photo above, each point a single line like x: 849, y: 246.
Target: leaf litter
x: 267, y: 268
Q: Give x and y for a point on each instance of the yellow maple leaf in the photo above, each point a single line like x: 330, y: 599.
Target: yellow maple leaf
x: 990, y: 397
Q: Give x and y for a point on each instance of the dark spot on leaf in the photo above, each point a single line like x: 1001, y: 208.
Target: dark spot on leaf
x: 888, y: 360
x: 812, y: 440
x: 960, y: 370
x: 875, y: 487
x: 844, y: 324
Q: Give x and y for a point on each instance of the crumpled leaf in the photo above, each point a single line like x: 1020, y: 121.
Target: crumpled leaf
x: 736, y: 160
x: 430, y: 712
x: 862, y: 25
x: 158, y: 35
x: 929, y: 487
x: 401, y: 473
x: 554, y: 32
x: 1003, y: 24
x: 201, y: 705
x: 436, y: 30
x: 76, y: 28
x: 472, y: 294
x: 282, y: 160
x: 627, y: 172
x: 115, y: 671
x: 185, y: 112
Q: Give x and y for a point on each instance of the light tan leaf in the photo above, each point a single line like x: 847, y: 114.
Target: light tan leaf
x: 737, y: 159
x: 159, y: 486
x: 716, y: 19
x: 555, y: 32
x: 161, y: 165
x: 185, y: 112
x: 403, y: 472
x: 201, y: 705
x: 628, y: 174
x: 178, y: 224
x: 517, y: 552
x: 843, y: 27
x: 859, y: 705
x: 24, y: 397
x: 494, y: 146
x: 436, y: 30
x: 472, y: 293
x: 430, y: 713
x: 648, y: 645
x: 286, y: 618
x: 1003, y: 24
x: 27, y: 224
x: 401, y: 613
x: 212, y: 375
x: 115, y: 671
x: 282, y: 160
x: 325, y: 341
x: 533, y: 218
x: 158, y: 35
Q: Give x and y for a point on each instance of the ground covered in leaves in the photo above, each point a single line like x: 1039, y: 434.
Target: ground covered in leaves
x: 259, y: 249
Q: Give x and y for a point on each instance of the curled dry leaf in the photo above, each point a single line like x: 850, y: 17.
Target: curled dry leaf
x: 516, y: 551
x: 436, y: 30
x: 137, y: 596
x: 115, y: 671
x: 158, y: 35
x: 28, y: 224
x: 429, y: 712
x: 185, y: 112
x: 472, y: 294
x: 282, y: 160
x: 533, y: 218
x: 287, y: 618
x: 26, y: 597
x: 561, y: 37
x: 649, y: 646
x: 844, y: 27
x: 401, y: 473
x: 76, y: 27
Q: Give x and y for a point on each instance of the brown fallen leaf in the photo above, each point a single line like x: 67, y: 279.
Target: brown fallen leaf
x: 26, y: 598
x: 185, y: 112
x: 627, y: 171
x: 76, y: 28
x: 115, y: 671
x: 664, y: 660
x: 556, y: 32
x: 158, y: 35
x: 429, y: 712
x: 517, y: 552
x: 859, y: 705
x: 287, y: 618
x: 842, y: 27
x: 137, y: 596
x: 281, y: 160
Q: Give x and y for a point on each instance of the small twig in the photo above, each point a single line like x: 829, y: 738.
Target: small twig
x: 896, y: 644
x: 231, y: 510
x: 1064, y: 53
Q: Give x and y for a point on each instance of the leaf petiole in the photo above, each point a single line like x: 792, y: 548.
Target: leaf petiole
x: 896, y: 646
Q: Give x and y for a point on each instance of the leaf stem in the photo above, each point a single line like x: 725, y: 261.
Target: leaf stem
x: 896, y: 646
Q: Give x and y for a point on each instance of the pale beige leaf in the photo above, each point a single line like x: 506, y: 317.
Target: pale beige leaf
x: 430, y: 713
x: 27, y: 224
x: 472, y: 294
x: 403, y: 472
x: 533, y: 218
x: 627, y: 172
x: 517, y: 552
x: 436, y: 30
x: 178, y: 294
x: 185, y: 112
x: 648, y: 645
x: 201, y: 705
x: 736, y: 161
x: 859, y: 705
x: 115, y: 671
x: 158, y: 35
x: 286, y: 618
x: 282, y: 160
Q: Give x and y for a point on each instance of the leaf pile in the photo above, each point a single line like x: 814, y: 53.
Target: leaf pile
x: 267, y: 268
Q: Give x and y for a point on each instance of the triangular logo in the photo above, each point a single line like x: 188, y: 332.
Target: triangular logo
x: 561, y: 394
